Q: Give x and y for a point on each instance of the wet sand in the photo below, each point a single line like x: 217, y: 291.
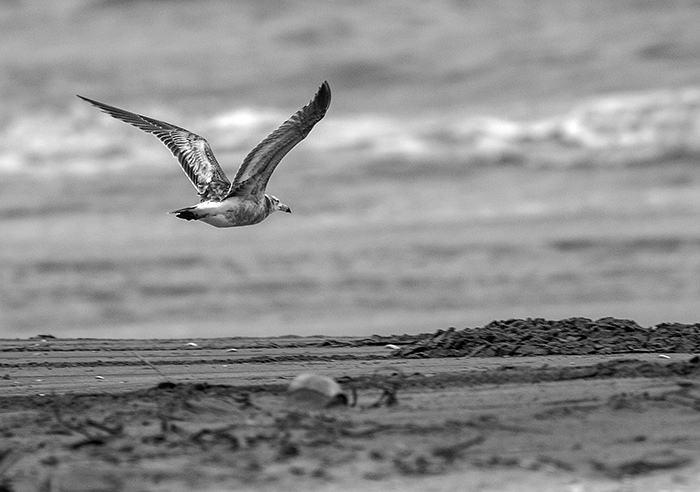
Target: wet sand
x: 80, y: 414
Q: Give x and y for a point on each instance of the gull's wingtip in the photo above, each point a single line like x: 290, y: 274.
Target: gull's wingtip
x: 87, y: 100
x: 323, y: 96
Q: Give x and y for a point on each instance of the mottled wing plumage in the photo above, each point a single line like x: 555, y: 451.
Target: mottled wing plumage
x: 192, y: 151
x: 257, y: 167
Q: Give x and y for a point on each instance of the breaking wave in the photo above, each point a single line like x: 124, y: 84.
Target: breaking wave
x: 622, y: 129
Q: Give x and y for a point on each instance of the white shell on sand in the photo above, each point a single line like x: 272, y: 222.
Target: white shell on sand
x: 315, y: 391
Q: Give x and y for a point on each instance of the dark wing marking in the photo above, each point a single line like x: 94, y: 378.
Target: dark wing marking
x: 257, y: 167
x: 192, y: 151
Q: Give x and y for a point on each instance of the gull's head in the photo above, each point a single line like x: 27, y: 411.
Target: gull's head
x: 275, y: 205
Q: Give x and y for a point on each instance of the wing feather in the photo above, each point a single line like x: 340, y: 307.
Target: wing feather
x: 192, y: 151
x: 257, y: 167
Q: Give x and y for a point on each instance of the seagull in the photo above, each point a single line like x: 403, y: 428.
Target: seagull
x: 224, y: 203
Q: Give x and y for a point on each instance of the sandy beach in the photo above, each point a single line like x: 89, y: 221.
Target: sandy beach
x: 214, y: 414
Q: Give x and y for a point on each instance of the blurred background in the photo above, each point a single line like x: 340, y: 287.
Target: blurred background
x: 480, y: 160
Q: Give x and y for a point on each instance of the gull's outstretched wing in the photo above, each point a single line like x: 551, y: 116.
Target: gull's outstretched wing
x: 192, y: 151
x: 257, y: 167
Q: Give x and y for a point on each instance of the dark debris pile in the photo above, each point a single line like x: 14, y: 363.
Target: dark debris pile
x: 572, y: 336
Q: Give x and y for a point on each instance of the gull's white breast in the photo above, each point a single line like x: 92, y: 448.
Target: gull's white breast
x: 231, y: 212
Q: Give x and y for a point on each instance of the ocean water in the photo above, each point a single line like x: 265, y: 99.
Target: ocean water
x: 460, y: 175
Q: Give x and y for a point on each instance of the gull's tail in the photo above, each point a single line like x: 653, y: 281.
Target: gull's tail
x: 187, y: 213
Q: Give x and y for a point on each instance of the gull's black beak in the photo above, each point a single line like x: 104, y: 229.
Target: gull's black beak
x: 284, y: 208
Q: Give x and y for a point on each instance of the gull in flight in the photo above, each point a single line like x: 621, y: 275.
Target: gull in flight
x: 225, y: 203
